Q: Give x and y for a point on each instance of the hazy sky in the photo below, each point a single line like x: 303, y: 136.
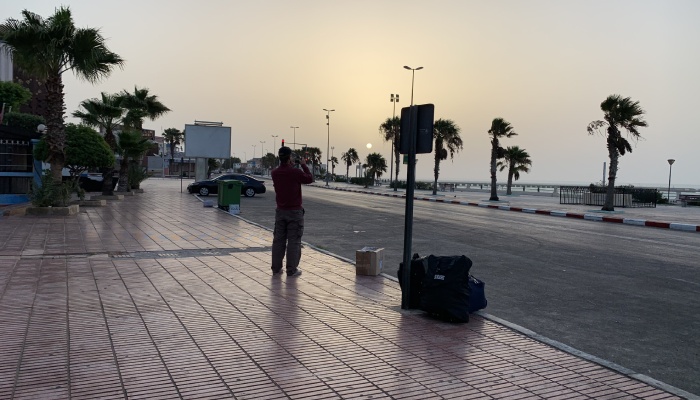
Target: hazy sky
x: 545, y: 66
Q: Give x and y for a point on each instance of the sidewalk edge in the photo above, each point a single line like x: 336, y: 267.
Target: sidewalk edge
x: 605, y: 363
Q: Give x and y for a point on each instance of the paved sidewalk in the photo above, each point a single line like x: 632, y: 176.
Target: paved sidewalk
x: 157, y: 297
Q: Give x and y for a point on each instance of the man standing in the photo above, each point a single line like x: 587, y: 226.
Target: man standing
x: 289, y: 215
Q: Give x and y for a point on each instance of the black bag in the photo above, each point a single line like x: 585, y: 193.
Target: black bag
x: 477, y: 296
x: 416, y: 282
x: 446, y: 292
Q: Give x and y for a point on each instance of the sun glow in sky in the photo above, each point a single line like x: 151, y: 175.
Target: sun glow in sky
x: 543, y: 65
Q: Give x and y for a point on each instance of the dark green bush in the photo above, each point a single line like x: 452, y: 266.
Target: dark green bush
x: 50, y: 194
x: 28, y: 122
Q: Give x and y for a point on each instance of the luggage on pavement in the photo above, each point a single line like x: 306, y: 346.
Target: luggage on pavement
x: 477, y: 295
x: 445, y: 292
x: 416, y: 280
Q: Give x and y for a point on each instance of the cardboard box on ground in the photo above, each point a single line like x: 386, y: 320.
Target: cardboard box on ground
x: 369, y: 261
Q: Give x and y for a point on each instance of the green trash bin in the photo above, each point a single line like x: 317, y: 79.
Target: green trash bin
x: 229, y: 195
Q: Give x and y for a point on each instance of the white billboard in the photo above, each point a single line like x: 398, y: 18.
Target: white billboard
x: 203, y: 141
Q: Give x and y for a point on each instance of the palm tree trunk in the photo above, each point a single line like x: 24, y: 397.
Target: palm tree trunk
x: 108, y: 173
x: 107, y: 181
x: 123, y: 185
x: 494, y: 193
x: 55, y: 133
x: 436, y: 171
x: 397, y: 162
x: 510, y: 181
x: 609, y: 204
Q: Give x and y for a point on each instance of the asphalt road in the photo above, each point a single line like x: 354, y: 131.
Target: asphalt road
x: 627, y: 294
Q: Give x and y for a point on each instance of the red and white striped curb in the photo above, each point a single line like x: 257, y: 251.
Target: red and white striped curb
x: 589, y: 217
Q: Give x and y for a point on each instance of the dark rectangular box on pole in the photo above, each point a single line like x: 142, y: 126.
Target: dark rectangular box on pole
x: 423, y: 118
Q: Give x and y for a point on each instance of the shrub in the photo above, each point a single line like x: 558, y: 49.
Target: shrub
x: 50, y: 193
x: 137, y: 174
x: 361, y: 181
x: 28, y: 122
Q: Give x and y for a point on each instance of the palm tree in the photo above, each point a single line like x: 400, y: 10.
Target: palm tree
x: 131, y: 145
x: 618, y: 113
x: 516, y: 160
x: 447, y: 140
x: 106, y: 114
x: 334, y: 162
x: 350, y: 157
x: 500, y: 128
x: 212, y: 164
x: 313, y: 154
x: 138, y: 105
x: 46, y: 48
x: 173, y: 137
x: 390, y: 132
x: 376, y: 165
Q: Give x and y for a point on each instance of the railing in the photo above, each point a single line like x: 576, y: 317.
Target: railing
x: 595, y: 196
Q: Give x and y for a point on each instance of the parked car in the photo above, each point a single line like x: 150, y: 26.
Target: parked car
x: 250, y: 188
x: 92, y: 182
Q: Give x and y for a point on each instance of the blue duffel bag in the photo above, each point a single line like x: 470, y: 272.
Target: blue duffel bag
x: 477, y: 296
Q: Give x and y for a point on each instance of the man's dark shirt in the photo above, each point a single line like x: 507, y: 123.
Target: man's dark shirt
x: 287, y: 181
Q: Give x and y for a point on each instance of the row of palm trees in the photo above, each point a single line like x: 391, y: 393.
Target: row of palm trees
x: 46, y: 49
x: 126, y: 111
x: 619, y: 114
x: 448, y: 142
x: 375, y: 164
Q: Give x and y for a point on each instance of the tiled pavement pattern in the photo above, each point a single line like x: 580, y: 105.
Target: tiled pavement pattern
x: 81, y: 319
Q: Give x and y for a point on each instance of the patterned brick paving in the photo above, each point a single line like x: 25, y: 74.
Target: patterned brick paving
x: 78, y: 320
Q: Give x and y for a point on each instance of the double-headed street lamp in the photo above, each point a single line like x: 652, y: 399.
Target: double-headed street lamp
x: 328, y: 123
x: 274, y: 141
x: 295, y: 136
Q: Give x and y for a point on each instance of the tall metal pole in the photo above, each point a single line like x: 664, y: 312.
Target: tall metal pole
x: 274, y: 141
x: 295, y: 136
x: 604, y: 169
x: 262, y: 157
x: 393, y: 144
x: 408, y: 220
x: 328, y: 144
x: 670, y: 165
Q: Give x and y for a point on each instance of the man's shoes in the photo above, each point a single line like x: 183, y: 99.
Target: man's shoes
x: 278, y: 273
x: 295, y: 274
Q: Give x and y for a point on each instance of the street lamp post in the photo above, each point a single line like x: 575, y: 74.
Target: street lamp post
x: 670, y: 165
x: 253, y: 170
x: 328, y: 144
x: 394, y: 99
x: 410, y: 179
x: 295, y: 136
x: 274, y: 141
x: 262, y: 157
